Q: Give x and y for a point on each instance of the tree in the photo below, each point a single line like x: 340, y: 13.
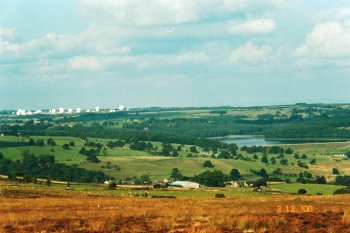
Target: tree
x: 175, y: 153
x: 289, y: 151
x: 335, y: 171
x: 302, y: 191
x: 40, y: 142
x: 262, y: 173
x: 348, y: 154
x: 273, y: 161
x: 255, y: 157
x: 31, y: 142
x: 264, y: 159
x: 284, y: 162
x: 45, y: 159
x: 65, y: 146
x: 296, y: 156
x: 71, y: 143
x: 211, y: 178
x: 303, y: 156
x: 193, y: 149
x: 224, y: 154
x: 313, y: 161
x: 208, y: 163
x: 234, y: 174
x: 145, y: 179
x: 149, y: 146
x: 259, y: 183
x: 51, y: 142
x: 342, y: 190
x: 232, y: 147
x: 176, y: 174
x: 92, y: 159
x: 321, y: 180
x: 48, y: 182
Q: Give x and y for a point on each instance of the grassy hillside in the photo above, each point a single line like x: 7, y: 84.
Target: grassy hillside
x: 134, y: 163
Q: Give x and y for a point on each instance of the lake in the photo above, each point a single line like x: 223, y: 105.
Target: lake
x: 253, y: 140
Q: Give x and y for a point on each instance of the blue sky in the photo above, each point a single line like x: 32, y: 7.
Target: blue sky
x: 88, y: 53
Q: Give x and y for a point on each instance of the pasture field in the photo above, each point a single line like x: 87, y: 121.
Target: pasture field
x: 24, y: 209
x: 133, y: 163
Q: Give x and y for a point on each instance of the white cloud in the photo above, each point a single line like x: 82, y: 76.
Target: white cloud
x: 334, y: 14
x: 326, y: 40
x: 250, y: 54
x: 7, y: 33
x: 145, y: 12
x: 8, y: 47
x: 259, y: 26
x: 84, y: 64
x: 164, y: 12
x: 239, y: 5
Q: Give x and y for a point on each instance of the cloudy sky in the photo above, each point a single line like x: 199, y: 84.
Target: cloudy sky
x: 87, y: 53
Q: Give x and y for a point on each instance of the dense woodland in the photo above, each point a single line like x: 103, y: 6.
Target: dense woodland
x: 44, y: 166
x: 302, y: 122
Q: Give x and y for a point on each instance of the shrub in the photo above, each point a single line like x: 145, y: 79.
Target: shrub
x: 219, y: 195
x: 342, y: 190
x: 302, y: 191
x: 208, y: 163
x: 65, y: 146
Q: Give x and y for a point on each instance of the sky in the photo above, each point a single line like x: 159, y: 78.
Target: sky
x: 173, y: 53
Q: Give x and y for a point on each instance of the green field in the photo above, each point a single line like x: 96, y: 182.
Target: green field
x: 184, y: 128
x: 310, y: 188
x: 135, y: 163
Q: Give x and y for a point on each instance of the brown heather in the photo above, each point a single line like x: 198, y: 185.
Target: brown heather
x: 83, y: 213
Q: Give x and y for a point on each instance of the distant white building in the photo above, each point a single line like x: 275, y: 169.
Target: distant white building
x: 185, y: 184
x: 20, y: 112
x: 78, y: 110
x: 61, y: 110
x: 38, y: 112
x: 70, y: 110
x: 87, y: 110
x: 121, y: 108
x: 97, y: 109
x: 53, y: 111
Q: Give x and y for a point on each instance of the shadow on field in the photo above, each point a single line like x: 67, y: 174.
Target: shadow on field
x: 12, y: 144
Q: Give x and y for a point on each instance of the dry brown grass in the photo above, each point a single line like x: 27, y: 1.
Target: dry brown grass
x: 81, y: 213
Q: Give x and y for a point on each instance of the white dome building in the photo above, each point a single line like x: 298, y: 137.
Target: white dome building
x: 121, y: 108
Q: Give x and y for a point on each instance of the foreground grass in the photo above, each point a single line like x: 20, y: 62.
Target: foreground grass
x: 56, y: 211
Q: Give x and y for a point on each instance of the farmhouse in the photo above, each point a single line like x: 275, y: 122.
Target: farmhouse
x: 340, y: 156
x: 185, y: 184
x: 236, y: 184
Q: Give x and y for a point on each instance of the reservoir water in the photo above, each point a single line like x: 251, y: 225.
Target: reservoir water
x: 253, y: 140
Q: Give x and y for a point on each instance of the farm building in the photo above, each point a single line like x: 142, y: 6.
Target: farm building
x: 185, y: 184
x: 236, y: 184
